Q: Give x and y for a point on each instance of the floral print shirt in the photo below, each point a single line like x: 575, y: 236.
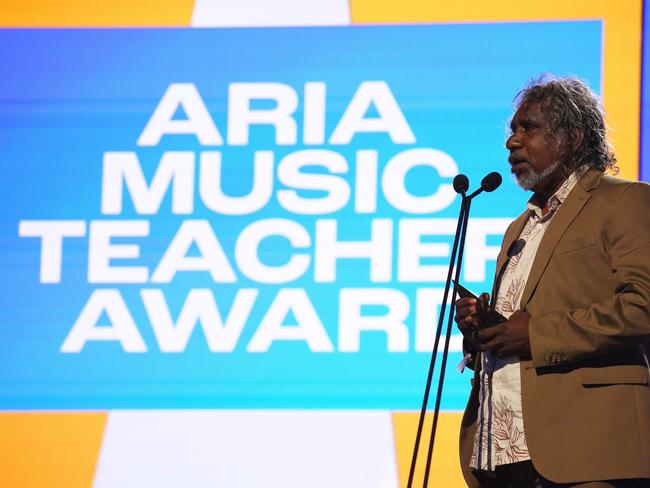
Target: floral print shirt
x: 500, y: 437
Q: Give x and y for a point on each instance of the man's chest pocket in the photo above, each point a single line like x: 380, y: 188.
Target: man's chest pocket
x: 578, y: 272
x: 574, y: 244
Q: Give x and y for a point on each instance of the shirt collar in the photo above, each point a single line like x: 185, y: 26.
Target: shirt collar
x: 534, y: 204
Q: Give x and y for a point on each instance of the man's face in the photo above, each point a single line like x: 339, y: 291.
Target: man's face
x: 534, y: 150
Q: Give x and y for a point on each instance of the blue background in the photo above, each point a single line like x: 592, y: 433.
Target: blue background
x: 70, y: 95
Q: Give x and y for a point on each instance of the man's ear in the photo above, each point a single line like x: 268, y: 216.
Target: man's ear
x: 577, y: 138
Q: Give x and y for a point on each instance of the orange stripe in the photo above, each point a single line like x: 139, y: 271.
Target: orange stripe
x: 622, y: 47
x: 50, y: 450
x: 445, y: 467
x: 95, y: 13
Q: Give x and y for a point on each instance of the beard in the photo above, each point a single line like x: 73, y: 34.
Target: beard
x: 530, y: 178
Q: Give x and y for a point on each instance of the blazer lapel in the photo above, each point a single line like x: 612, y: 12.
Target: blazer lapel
x: 560, y: 222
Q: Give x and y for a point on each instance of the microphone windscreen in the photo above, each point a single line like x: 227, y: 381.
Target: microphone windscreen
x: 461, y: 183
x: 516, y: 247
x: 491, y: 182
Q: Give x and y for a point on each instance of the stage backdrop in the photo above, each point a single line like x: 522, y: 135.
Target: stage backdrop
x: 223, y: 249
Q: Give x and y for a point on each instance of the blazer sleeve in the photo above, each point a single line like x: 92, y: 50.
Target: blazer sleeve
x: 619, y: 322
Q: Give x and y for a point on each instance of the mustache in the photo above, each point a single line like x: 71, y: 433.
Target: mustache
x: 516, y: 160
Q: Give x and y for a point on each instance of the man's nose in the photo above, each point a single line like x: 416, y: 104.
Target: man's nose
x: 513, y: 142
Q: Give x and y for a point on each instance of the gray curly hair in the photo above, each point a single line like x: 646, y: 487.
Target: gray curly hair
x: 571, y: 108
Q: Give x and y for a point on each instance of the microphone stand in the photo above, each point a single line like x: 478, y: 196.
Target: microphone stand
x: 459, y: 238
x: 459, y: 230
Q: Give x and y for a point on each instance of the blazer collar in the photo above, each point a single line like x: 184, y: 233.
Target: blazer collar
x: 590, y: 179
x: 560, y: 222
x: 588, y: 182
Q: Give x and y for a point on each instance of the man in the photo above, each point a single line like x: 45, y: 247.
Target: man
x: 560, y: 392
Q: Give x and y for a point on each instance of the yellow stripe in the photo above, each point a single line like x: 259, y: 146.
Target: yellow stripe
x: 95, y: 13
x: 621, y: 57
x: 49, y: 450
x: 445, y: 467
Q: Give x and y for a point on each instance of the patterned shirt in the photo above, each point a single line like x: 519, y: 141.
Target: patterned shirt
x: 500, y: 437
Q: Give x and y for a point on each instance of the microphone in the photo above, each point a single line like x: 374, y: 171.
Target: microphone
x: 461, y: 184
x: 490, y: 183
x: 516, y: 247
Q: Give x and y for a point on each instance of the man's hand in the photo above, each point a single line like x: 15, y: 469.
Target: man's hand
x: 468, y: 313
x: 509, y: 338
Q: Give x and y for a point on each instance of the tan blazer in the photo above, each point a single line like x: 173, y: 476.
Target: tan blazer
x: 585, y: 394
